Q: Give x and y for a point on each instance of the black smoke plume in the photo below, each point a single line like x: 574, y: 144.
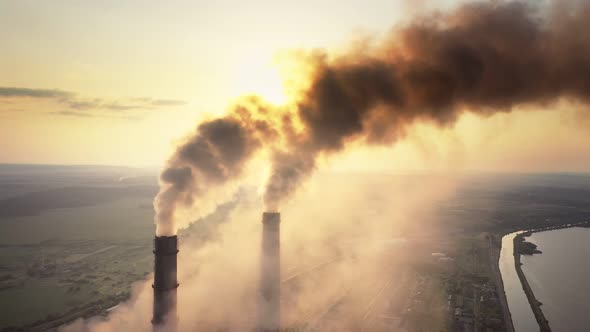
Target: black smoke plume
x: 484, y: 57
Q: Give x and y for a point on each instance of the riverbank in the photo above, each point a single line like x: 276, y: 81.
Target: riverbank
x: 533, y: 303
x: 495, y: 257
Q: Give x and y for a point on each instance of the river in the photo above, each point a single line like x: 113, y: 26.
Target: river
x: 520, y: 310
x: 559, y: 278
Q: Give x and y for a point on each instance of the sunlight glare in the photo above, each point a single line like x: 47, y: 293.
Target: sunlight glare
x: 256, y: 75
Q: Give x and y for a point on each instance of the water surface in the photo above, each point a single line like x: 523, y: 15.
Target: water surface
x: 520, y: 310
x: 560, y: 277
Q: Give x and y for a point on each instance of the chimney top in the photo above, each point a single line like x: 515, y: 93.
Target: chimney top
x: 166, y: 245
x: 271, y: 217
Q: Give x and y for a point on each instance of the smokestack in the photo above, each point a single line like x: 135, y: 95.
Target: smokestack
x: 165, y: 282
x: 270, y: 280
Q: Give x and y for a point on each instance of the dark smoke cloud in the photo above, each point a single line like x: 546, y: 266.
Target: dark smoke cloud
x: 484, y: 57
x: 214, y: 154
x: 289, y: 169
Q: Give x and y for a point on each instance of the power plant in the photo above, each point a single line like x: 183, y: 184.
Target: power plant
x: 165, y: 282
x: 269, y: 315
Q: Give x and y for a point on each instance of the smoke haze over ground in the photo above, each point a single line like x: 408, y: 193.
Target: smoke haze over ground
x: 218, y: 277
x: 482, y: 58
x: 499, y: 86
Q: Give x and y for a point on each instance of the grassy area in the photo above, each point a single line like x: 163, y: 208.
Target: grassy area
x: 71, y: 259
x: 38, y: 299
x: 43, y: 294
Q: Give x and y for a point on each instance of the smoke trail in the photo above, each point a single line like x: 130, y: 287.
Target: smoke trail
x: 212, y: 155
x: 482, y: 58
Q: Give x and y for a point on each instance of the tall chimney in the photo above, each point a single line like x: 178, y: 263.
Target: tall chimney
x: 270, y: 282
x: 165, y: 282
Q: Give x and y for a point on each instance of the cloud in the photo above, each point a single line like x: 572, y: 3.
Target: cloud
x: 76, y: 103
x: 34, y: 93
x: 84, y: 104
x: 73, y: 113
x: 160, y: 102
x: 123, y: 105
x: 167, y: 102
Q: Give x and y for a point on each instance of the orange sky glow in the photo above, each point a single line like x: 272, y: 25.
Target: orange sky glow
x: 127, y: 83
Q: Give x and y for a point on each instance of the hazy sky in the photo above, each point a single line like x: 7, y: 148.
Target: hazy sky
x: 115, y: 82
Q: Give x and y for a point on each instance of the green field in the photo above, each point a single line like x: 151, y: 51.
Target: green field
x: 70, y: 259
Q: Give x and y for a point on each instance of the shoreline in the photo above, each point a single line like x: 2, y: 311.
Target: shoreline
x: 533, y: 302
x: 528, y: 291
x: 499, y: 281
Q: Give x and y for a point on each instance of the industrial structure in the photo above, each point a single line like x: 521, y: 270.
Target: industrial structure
x: 165, y: 282
x: 269, y: 315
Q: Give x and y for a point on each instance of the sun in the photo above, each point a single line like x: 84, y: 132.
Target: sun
x: 257, y: 75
